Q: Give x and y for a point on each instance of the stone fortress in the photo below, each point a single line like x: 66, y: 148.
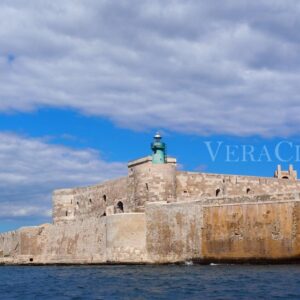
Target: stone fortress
x: 158, y: 214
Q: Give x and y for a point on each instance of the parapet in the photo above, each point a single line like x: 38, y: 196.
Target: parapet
x: 148, y: 159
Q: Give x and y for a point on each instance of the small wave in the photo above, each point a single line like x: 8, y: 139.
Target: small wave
x: 188, y: 263
x: 212, y: 264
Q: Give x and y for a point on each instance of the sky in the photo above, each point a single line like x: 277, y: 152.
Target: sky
x: 84, y: 85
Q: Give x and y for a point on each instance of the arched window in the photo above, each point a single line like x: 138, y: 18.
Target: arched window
x: 218, y: 191
x: 120, y: 206
x: 104, y: 198
x: 248, y: 191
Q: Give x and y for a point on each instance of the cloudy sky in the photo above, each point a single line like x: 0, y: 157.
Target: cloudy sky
x: 78, y: 79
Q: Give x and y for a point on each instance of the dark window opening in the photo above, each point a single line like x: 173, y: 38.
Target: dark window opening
x: 285, y: 177
x: 218, y: 191
x: 103, y: 215
x: 185, y: 192
x: 248, y: 191
x: 91, y: 201
x: 120, y: 206
x: 147, y: 187
x: 66, y: 213
x: 31, y: 259
x: 71, y: 201
x: 104, y: 197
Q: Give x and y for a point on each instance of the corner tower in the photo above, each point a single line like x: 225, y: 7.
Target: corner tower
x: 152, y: 178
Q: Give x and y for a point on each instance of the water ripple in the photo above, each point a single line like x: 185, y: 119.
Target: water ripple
x: 151, y: 282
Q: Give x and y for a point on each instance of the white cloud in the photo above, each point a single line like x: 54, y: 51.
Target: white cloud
x: 195, y: 66
x: 30, y: 169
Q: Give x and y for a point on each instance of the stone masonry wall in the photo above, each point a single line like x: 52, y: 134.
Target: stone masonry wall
x: 264, y: 227
x: 75, y: 242
x: 251, y: 231
x: 117, y: 238
x: 149, y: 182
x: 152, y: 182
x: 191, y: 186
x: 126, y: 238
x: 175, y: 230
x: 81, y: 203
x: 9, y: 243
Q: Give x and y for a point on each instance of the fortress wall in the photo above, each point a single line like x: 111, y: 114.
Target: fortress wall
x: 79, y: 203
x: 62, y: 201
x: 267, y: 227
x: 75, y: 242
x: 203, y: 230
x: 118, y: 238
x: 126, y: 238
x: 29, y: 240
x: 21, y: 242
x: 9, y: 243
x: 149, y: 182
x: 173, y: 231
x: 192, y: 185
x: 249, y: 198
x: 251, y: 231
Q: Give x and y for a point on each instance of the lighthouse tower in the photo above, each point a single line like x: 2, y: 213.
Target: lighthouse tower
x: 159, y: 150
x: 152, y: 178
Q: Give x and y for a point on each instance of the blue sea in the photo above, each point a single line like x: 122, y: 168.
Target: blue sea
x: 151, y: 282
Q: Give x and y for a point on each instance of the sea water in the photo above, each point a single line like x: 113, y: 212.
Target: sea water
x: 151, y: 282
